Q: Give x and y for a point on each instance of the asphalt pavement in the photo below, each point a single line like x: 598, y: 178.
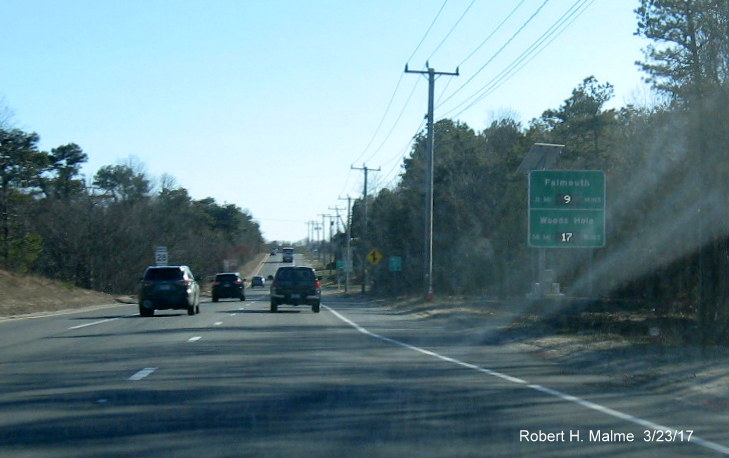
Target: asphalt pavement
x: 357, y: 379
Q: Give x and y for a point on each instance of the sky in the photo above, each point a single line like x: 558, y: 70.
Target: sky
x: 273, y: 105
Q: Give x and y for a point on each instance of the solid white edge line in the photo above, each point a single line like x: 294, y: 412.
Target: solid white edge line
x: 49, y: 314
x: 558, y: 394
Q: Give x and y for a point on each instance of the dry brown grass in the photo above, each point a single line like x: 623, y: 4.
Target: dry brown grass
x: 25, y: 294
x: 28, y: 294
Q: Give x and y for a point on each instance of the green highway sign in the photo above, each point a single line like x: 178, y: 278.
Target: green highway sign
x: 566, y: 209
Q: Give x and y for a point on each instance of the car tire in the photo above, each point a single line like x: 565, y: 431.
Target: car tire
x: 315, y: 308
x: 215, y: 298
x: 191, y: 310
x: 243, y: 298
x: 144, y: 311
x: 197, y: 308
x: 274, y: 307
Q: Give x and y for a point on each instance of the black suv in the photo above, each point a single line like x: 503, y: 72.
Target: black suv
x: 168, y: 287
x: 296, y: 285
x: 228, y: 284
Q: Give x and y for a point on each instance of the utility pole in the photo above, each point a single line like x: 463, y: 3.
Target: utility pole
x: 348, y: 260
x: 332, y: 230
x: 327, y: 253
x: 429, y: 174
x: 311, y: 225
x: 364, y: 229
x: 337, y: 218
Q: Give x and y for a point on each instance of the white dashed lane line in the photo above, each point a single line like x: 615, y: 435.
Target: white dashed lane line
x: 92, y: 324
x: 194, y: 339
x: 142, y: 374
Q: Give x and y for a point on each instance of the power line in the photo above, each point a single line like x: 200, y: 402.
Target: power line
x: 498, y: 27
x: 427, y: 31
x: 556, y: 29
x: 394, y: 93
x: 397, y: 121
x: 389, y: 178
x: 552, y: 33
x: 384, y: 116
x: 493, y: 32
x: 497, y: 53
x: 452, y: 29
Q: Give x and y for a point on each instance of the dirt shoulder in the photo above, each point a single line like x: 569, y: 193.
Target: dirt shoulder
x: 641, y: 349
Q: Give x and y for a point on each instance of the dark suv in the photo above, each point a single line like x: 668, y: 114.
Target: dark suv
x: 296, y: 285
x: 228, y: 284
x: 168, y: 287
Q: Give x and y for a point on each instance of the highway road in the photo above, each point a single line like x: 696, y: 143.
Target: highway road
x: 358, y: 379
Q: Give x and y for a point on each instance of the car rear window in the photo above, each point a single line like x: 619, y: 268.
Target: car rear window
x: 226, y: 277
x: 163, y: 274
x: 296, y: 275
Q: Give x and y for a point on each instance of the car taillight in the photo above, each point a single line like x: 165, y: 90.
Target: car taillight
x: 317, y: 284
x: 216, y: 283
x: 273, y: 284
x: 184, y: 282
x: 238, y: 282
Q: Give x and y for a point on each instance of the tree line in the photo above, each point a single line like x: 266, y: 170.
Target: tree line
x: 102, y: 234
x: 666, y: 164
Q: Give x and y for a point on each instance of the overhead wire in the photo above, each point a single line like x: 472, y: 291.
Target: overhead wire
x: 567, y: 18
x: 397, y: 121
x: 382, y: 121
x: 388, y: 178
x: 392, y: 97
x: 498, y: 27
x: 402, y: 153
x: 440, y: 44
x: 556, y: 29
x: 445, y: 38
x: 477, y: 48
x: 435, y: 19
x: 498, y: 52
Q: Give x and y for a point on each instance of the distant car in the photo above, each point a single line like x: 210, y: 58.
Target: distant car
x: 228, y: 284
x: 296, y: 285
x: 257, y: 280
x: 168, y: 287
x: 287, y: 255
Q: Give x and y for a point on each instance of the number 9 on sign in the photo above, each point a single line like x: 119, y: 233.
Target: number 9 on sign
x: 564, y: 199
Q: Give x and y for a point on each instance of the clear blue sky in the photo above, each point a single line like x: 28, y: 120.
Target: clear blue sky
x: 267, y: 104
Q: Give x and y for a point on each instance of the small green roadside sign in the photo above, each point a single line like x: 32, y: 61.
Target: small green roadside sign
x: 566, y: 209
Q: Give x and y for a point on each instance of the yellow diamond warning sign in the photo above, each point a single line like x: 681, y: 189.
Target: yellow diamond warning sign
x: 374, y: 256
